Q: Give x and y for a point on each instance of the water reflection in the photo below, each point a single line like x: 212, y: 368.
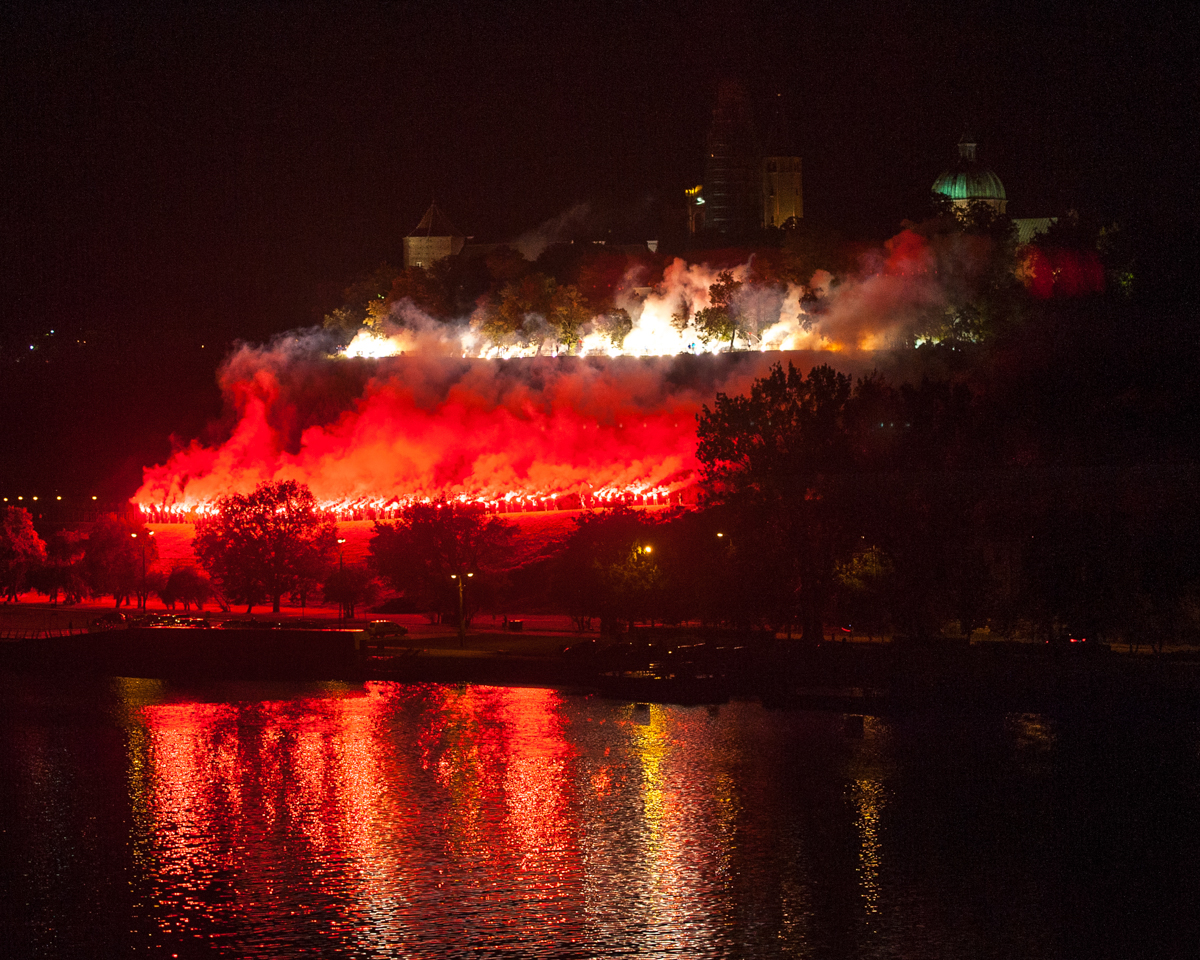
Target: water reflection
x: 868, y: 802
x: 429, y: 821
x: 511, y: 818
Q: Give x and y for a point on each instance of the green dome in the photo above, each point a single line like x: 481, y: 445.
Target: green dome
x: 969, y: 180
x: 979, y: 184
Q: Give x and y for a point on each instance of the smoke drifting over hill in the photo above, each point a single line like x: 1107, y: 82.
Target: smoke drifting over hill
x: 421, y: 408
x: 426, y: 426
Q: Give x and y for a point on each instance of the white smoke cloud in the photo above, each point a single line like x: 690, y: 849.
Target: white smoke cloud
x: 531, y: 244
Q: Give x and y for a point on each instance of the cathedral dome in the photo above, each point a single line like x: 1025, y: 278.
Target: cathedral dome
x: 970, y: 180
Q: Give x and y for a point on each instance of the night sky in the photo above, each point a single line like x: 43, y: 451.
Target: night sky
x: 186, y: 174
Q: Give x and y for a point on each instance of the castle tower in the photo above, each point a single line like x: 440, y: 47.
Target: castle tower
x: 782, y: 180
x: 433, y: 239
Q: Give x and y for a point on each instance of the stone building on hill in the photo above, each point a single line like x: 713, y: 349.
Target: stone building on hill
x: 969, y: 181
x: 433, y: 239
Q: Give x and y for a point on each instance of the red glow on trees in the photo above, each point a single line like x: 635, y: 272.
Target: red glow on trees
x: 1054, y: 272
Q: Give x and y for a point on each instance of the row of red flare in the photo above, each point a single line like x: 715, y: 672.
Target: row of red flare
x: 378, y: 508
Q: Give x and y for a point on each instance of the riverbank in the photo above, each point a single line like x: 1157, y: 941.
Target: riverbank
x: 665, y: 665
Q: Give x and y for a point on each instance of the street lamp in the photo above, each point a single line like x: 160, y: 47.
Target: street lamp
x: 462, y: 623
x: 142, y: 595
x: 342, y: 570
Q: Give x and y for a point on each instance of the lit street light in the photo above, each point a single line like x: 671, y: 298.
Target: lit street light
x: 142, y: 595
x: 342, y: 570
x: 462, y: 623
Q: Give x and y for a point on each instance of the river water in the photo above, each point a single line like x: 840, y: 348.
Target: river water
x: 141, y: 818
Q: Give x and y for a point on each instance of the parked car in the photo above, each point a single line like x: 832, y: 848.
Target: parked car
x: 379, y: 629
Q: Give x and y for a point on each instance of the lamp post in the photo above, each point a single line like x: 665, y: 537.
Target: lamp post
x: 462, y: 623
x: 342, y: 578
x: 142, y: 594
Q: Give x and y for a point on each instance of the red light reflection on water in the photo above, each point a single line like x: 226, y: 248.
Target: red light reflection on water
x: 433, y: 820
x: 249, y: 802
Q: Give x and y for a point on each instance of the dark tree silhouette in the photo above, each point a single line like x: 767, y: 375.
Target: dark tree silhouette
x: 113, y: 557
x: 349, y: 586
x: 417, y: 554
x: 188, y: 586
x: 778, y: 458
x: 259, y: 546
x: 605, y: 570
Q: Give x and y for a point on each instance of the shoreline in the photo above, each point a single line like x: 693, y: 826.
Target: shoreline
x: 667, y: 665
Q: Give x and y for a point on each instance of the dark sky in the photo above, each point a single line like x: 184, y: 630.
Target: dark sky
x: 199, y: 172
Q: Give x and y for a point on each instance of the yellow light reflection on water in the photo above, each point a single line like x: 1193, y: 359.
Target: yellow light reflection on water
x: 869, y: 795
x: 869, y: 798
x: 688, y: 805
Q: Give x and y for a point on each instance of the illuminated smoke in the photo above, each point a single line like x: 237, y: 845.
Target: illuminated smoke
x: 368, y: 435
x: 531, y: 244
x: 433, y: 410
x: 897, y: 290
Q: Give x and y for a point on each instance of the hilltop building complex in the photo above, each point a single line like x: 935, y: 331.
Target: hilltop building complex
x: 747, y: 185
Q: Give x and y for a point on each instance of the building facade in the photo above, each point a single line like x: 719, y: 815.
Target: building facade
x: 782, y: 191
x: 433, y: 239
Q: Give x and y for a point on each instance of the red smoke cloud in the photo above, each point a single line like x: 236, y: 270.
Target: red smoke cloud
x: 363, y: 432
x: 422, y: 426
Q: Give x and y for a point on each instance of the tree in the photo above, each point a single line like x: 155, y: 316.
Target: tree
x: 777, y: 458
x: 370, y: 288
x: 420, y: 287
x: 720, y: 320
x: 863, y: 587
x: 349, y: 586
x: 568, y: 314
x: 682, y: 315
x: 604, y: 570
x: 62, y: 573
x: 259, y: 546
x: 520, y: 313
x: 113, y: 557
x: 631, y: 585
x: 972, y: 252
x: 21, y: 551
x: 188, y: 586
x: 616, y: 324
x: 417, y: 554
